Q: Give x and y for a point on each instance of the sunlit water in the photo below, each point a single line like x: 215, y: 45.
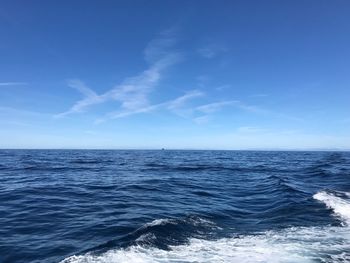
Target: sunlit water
x: 174, y: 206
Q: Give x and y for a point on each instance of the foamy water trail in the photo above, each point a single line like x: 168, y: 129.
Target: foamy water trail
x: 297, y: 244
x: 340, y: 206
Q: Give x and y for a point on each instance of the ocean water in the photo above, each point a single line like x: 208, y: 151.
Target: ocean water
x: 174, y: 206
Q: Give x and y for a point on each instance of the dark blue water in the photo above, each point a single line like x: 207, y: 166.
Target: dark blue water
x: 174, y: 206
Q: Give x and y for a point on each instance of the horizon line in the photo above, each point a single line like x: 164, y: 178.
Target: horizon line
x: 188, y: 149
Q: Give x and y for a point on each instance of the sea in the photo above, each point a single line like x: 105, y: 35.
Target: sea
x: 141, y: 206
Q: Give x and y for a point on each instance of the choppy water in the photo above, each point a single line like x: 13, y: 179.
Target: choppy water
x: 174, y: 206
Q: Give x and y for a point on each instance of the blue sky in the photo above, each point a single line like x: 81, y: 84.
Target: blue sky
x: 175, y: 74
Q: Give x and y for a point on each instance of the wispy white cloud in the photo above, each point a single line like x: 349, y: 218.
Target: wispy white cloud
x: 215, y: 106
x: 13, y: 83
x: 82, y: 88
x: 176, y: 106
x: 160, y: 46
x: 90, y: 98
x: 127, y: 113
x: 223, y: 87
x: 180, y: 107
x: 132, y: 93
x: 250, y: 108
x: 202, y: 119
x: 180, y: 101
x: 209, y: 109
x: 212, y: 50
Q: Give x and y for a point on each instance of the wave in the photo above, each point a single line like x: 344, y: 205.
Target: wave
x: 206, y: 167
x: 337, y: 202
x: 295, y: 244
x: 167, y: 232
x: 190, y: 220
x: 290, y: 245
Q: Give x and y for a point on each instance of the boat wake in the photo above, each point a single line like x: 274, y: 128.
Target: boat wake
x: 295, y: 244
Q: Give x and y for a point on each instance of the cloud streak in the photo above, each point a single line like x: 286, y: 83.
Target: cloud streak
x: 216, y: 106
x: 90, y: 98
x: 212, y: 50
x: 208, y: 109
x: 180, y: 101
x: 132, y: 93
x: 176, y: 106
x: 13, y: 83
x: 179, y: 106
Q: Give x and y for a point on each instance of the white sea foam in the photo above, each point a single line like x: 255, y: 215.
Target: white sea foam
x: 288, y: 246
x: 146, y: 237
x: 159, y: 222
x: 340, y: 206
x: 297, y: 244
x: 195, y: 221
